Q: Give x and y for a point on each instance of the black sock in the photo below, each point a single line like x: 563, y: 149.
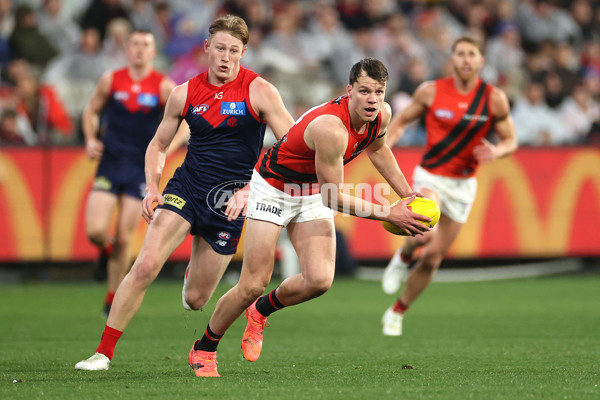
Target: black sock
x: 268, y: 304
x: 209, y: 341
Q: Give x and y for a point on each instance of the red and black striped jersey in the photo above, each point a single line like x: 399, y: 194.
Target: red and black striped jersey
x: 291, y: 161
x: 455, y: 124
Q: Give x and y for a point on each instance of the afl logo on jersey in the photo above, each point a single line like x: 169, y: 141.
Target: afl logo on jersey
x: 444, y: 114
x: 201, y: 109
x: 233, y: 108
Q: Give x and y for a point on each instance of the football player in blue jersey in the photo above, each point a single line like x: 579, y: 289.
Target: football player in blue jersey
x: 129, y: 102
x: 227, y: 109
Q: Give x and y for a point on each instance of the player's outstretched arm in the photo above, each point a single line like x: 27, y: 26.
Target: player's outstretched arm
x: 156, y: 153
x: 421, y: 100
x: 328, y: 137
x: 90, y: 119
x: 267, y: 103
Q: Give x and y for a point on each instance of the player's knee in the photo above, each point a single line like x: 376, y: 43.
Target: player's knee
x: 95, y: 235
x: 143, y: 273
x: 317, y: 287
x: 431, y: 262
x: 251, y: 291
x: 195, y: 299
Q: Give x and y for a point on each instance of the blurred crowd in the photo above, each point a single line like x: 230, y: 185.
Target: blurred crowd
x: 545, y: 54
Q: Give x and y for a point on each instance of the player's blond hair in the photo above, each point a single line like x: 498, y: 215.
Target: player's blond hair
x: 231, y: 24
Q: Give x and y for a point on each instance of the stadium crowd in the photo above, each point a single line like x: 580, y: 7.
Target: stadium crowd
x: 545, y: 54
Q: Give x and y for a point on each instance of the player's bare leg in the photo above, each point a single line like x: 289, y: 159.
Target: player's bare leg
x: 206, y: 268
x: 119, y: 261
x: 259, y: 246
x: 422, y: 274
x: 314, y: 242
x: 166, y: 232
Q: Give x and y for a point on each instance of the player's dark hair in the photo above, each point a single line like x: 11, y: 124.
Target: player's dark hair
x: 231, y: 24
x: 372, y: 67
x: 468, y: 39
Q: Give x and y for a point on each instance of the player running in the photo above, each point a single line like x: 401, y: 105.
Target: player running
x: 131, y: 101
x: 460, y: 112
x: 227, y: 109
x: 296, y: 184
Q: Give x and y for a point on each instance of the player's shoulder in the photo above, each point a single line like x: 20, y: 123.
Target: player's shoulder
x: 425, y: 92
x: 499, y: 101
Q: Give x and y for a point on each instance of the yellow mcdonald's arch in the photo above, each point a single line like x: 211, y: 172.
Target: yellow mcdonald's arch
x: 536, y: 235
x: 27, y: 223
x: 70, y: 198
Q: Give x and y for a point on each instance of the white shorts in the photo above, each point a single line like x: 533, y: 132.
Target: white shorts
x: 267, y: 203
x: 456, y: 194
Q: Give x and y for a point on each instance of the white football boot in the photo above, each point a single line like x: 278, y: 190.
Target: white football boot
x: 97, y: 362
x: 393, y: 274
x: 392, y: 323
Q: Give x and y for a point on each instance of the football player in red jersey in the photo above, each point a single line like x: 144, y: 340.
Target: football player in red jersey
x: 297, y: 184
x: 460, y: 112
x: 131, y: 101
x: 227, y: 109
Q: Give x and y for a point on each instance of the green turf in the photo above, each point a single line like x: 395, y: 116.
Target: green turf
x: 524, y: 339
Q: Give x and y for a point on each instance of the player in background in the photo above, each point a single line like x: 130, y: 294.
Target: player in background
x: 227, y: 109
x: 126, y: 107
x: 460, y: 111
x: 296, y: 184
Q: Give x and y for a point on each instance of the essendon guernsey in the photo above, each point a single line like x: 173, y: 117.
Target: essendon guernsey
x: 291, y: 161
x: 455, y: 124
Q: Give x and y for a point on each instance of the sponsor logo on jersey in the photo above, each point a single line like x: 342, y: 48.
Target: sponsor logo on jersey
x: 268, y: 208
x: 201, y: 109
x: 102, y: 183
x: 147, y: 99
x: 471, y: 117
x: 232, y: 122
x: 121, y: 96
x: 444, y: 114
x: 174, y: 201
x: 221, y: 243
x: 219, y: 96
x: 224, y: 235
x: 233, y: 108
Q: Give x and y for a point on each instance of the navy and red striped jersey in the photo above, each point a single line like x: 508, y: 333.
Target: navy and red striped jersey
x: 455, y: 124
x: 226, y: 134
x: 291, y: 161
x: 131, y: 115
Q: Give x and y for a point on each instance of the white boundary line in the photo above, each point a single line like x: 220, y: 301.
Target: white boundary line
x: 489, y: 273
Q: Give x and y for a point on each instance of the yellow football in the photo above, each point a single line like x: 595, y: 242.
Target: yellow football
x: 420, y: 205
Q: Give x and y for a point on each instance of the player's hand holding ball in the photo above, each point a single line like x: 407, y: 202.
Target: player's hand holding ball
x: 422, y: 215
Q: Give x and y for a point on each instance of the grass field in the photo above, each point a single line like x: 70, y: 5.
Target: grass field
x: 523, y: 339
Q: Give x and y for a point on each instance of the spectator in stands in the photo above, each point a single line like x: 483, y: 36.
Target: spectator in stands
x: 99, y: 13
x: 75, y: 75
x: 43, y: 107
x: 113, y: 47
x: 542, y: 20
x: 60, y: 30
x: 536, y: 124
x: 7, y: 23
x: 578, y: 113
x: 26, y: 40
